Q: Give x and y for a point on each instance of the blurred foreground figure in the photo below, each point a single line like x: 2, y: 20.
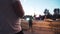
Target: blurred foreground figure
x: 10, y: 13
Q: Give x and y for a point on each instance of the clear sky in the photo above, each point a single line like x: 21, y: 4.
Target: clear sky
x: 37, y: 6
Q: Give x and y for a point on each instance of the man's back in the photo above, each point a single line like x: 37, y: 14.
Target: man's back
x: 8, y: 19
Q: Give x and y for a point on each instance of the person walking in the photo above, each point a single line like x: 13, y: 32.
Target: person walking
x: 30, y: 23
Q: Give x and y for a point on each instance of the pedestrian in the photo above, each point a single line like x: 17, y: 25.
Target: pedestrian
x: 30, y: 23
x: 11, y: 12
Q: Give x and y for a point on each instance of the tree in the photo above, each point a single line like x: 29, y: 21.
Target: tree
x: 56, y: 13
x: 47, y: 13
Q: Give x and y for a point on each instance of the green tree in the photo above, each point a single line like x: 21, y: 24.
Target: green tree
x: 47, y: 13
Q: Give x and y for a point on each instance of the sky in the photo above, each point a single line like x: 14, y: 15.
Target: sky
x: 37, y: 7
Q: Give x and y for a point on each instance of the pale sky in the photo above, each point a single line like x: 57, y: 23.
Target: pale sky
x: 37, y: 6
